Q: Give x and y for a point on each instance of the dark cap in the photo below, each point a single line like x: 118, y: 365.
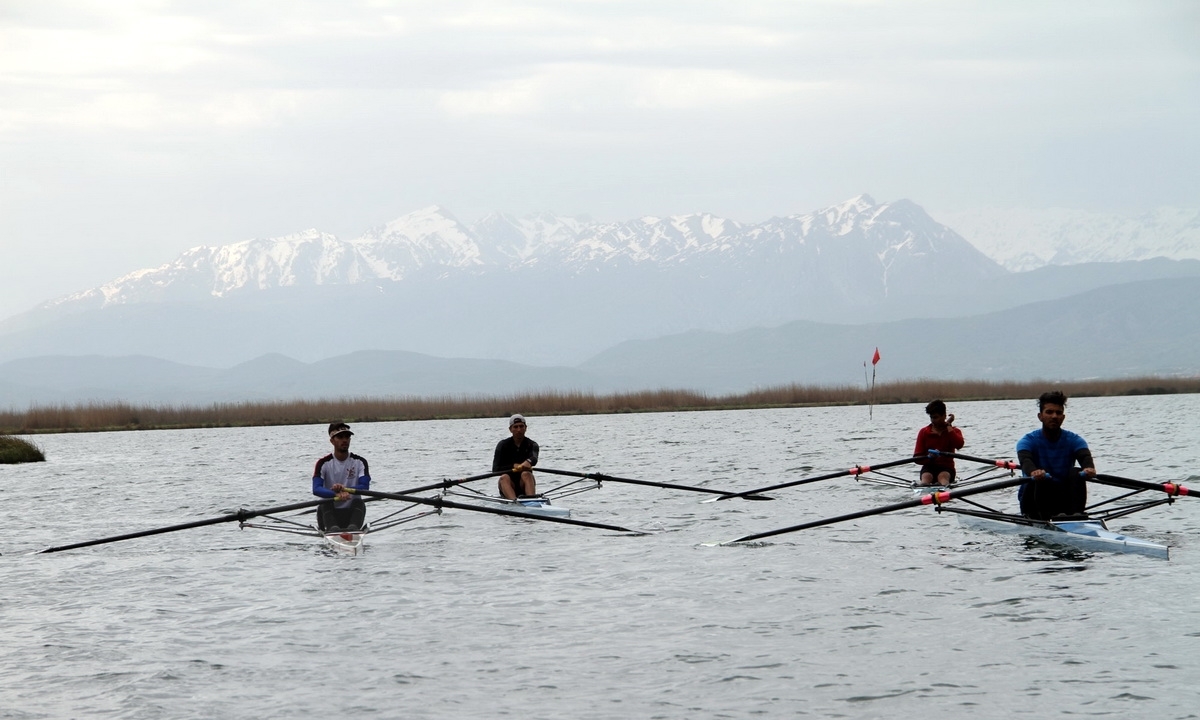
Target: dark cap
x: 339, y: 428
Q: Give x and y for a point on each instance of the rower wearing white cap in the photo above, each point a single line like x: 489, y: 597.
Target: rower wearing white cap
x: 517, y: 455
x: 335, y: 477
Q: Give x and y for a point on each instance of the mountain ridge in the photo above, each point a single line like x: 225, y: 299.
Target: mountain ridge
x: 431, y: 241
x: 1003, y: 345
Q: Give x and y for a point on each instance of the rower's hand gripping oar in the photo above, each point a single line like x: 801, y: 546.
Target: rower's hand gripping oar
x: 441, y: 503
x: 239, y: 515
x: 937, y: 498
x: 601, y: 477
x: 855, y: 471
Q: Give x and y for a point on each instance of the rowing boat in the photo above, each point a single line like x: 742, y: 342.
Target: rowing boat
x: 539, y: 505
x: 341, y: 542
x: 1086, y: 534
x: 1089, y: 530
x: 345, y: 542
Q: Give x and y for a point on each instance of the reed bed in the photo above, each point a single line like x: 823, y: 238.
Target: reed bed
x: 18, y: 450
x: 109, y: 416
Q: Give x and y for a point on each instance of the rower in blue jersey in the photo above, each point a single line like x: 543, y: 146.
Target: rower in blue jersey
x: 1049, y: 456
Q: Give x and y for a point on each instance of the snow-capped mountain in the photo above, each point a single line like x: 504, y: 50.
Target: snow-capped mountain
x: 1021, y: 239
x: 546, y: 289
x: 858, y: 246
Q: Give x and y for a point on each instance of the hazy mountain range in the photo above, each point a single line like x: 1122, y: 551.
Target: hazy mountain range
x: 1113, y: 331
x: 1028, y: 239
x: 550, y: 302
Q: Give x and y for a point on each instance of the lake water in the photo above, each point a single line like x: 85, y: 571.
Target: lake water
x: 468, y: 615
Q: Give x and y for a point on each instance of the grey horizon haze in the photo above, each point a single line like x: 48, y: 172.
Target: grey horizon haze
x: 130, y: 132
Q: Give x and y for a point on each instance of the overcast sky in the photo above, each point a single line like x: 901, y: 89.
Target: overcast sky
x: 131, y: 131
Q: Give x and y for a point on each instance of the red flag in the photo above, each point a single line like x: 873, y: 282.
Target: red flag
x: 875, y: 358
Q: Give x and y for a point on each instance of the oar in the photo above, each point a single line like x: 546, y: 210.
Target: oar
x: 452, y: 483
x: 440, y: 503
x: 936, y: 498
x: 601, y: 477
x: 1006, y: 464
x: 1172, y: 489
x: 441, y: 484
x: 239, y: 515
x: 856, y: 470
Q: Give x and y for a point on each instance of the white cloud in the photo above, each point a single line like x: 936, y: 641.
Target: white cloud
x: 250, y: 118
x: 587, y: 87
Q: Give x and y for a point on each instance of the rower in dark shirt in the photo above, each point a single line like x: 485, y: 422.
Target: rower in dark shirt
x: 517, y: 454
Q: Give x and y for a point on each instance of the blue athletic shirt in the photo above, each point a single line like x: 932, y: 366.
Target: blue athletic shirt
x: 1056, y: 458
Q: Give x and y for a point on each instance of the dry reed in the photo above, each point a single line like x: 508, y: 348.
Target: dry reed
x: 93, y: 416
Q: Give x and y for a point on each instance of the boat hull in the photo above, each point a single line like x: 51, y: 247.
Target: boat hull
x: 539, y: 507
x: 345, y: 543
x: 1084, y: 534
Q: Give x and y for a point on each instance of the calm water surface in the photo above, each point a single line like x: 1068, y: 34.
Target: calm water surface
x: 467, y: 615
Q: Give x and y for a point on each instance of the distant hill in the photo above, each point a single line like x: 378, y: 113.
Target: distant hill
x: 1129, y: 329
x: 1132, y: 329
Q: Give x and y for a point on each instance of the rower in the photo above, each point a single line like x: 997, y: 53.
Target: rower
x: 1048, y: 456
x: 516, y: 455
x: 941, y: 436
x: 335, y: 477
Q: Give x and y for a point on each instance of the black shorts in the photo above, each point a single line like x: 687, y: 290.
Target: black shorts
x: 514, y: 478
x: 938, y: 470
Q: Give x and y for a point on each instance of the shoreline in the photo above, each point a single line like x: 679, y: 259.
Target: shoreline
x: 122, y: 416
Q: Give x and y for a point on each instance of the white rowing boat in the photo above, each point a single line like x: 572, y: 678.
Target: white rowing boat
x: 1090, y: 534
x: 342, y: 542
x: 347, y: 542
x: 537, y: 505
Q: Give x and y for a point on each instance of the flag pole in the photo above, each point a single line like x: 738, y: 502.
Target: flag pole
x: 874, y: 362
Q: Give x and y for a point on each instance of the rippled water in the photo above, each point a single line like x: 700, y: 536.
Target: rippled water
x: 475, y: 616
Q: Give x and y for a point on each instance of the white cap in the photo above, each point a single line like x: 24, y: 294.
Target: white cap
x: 518, y: 418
